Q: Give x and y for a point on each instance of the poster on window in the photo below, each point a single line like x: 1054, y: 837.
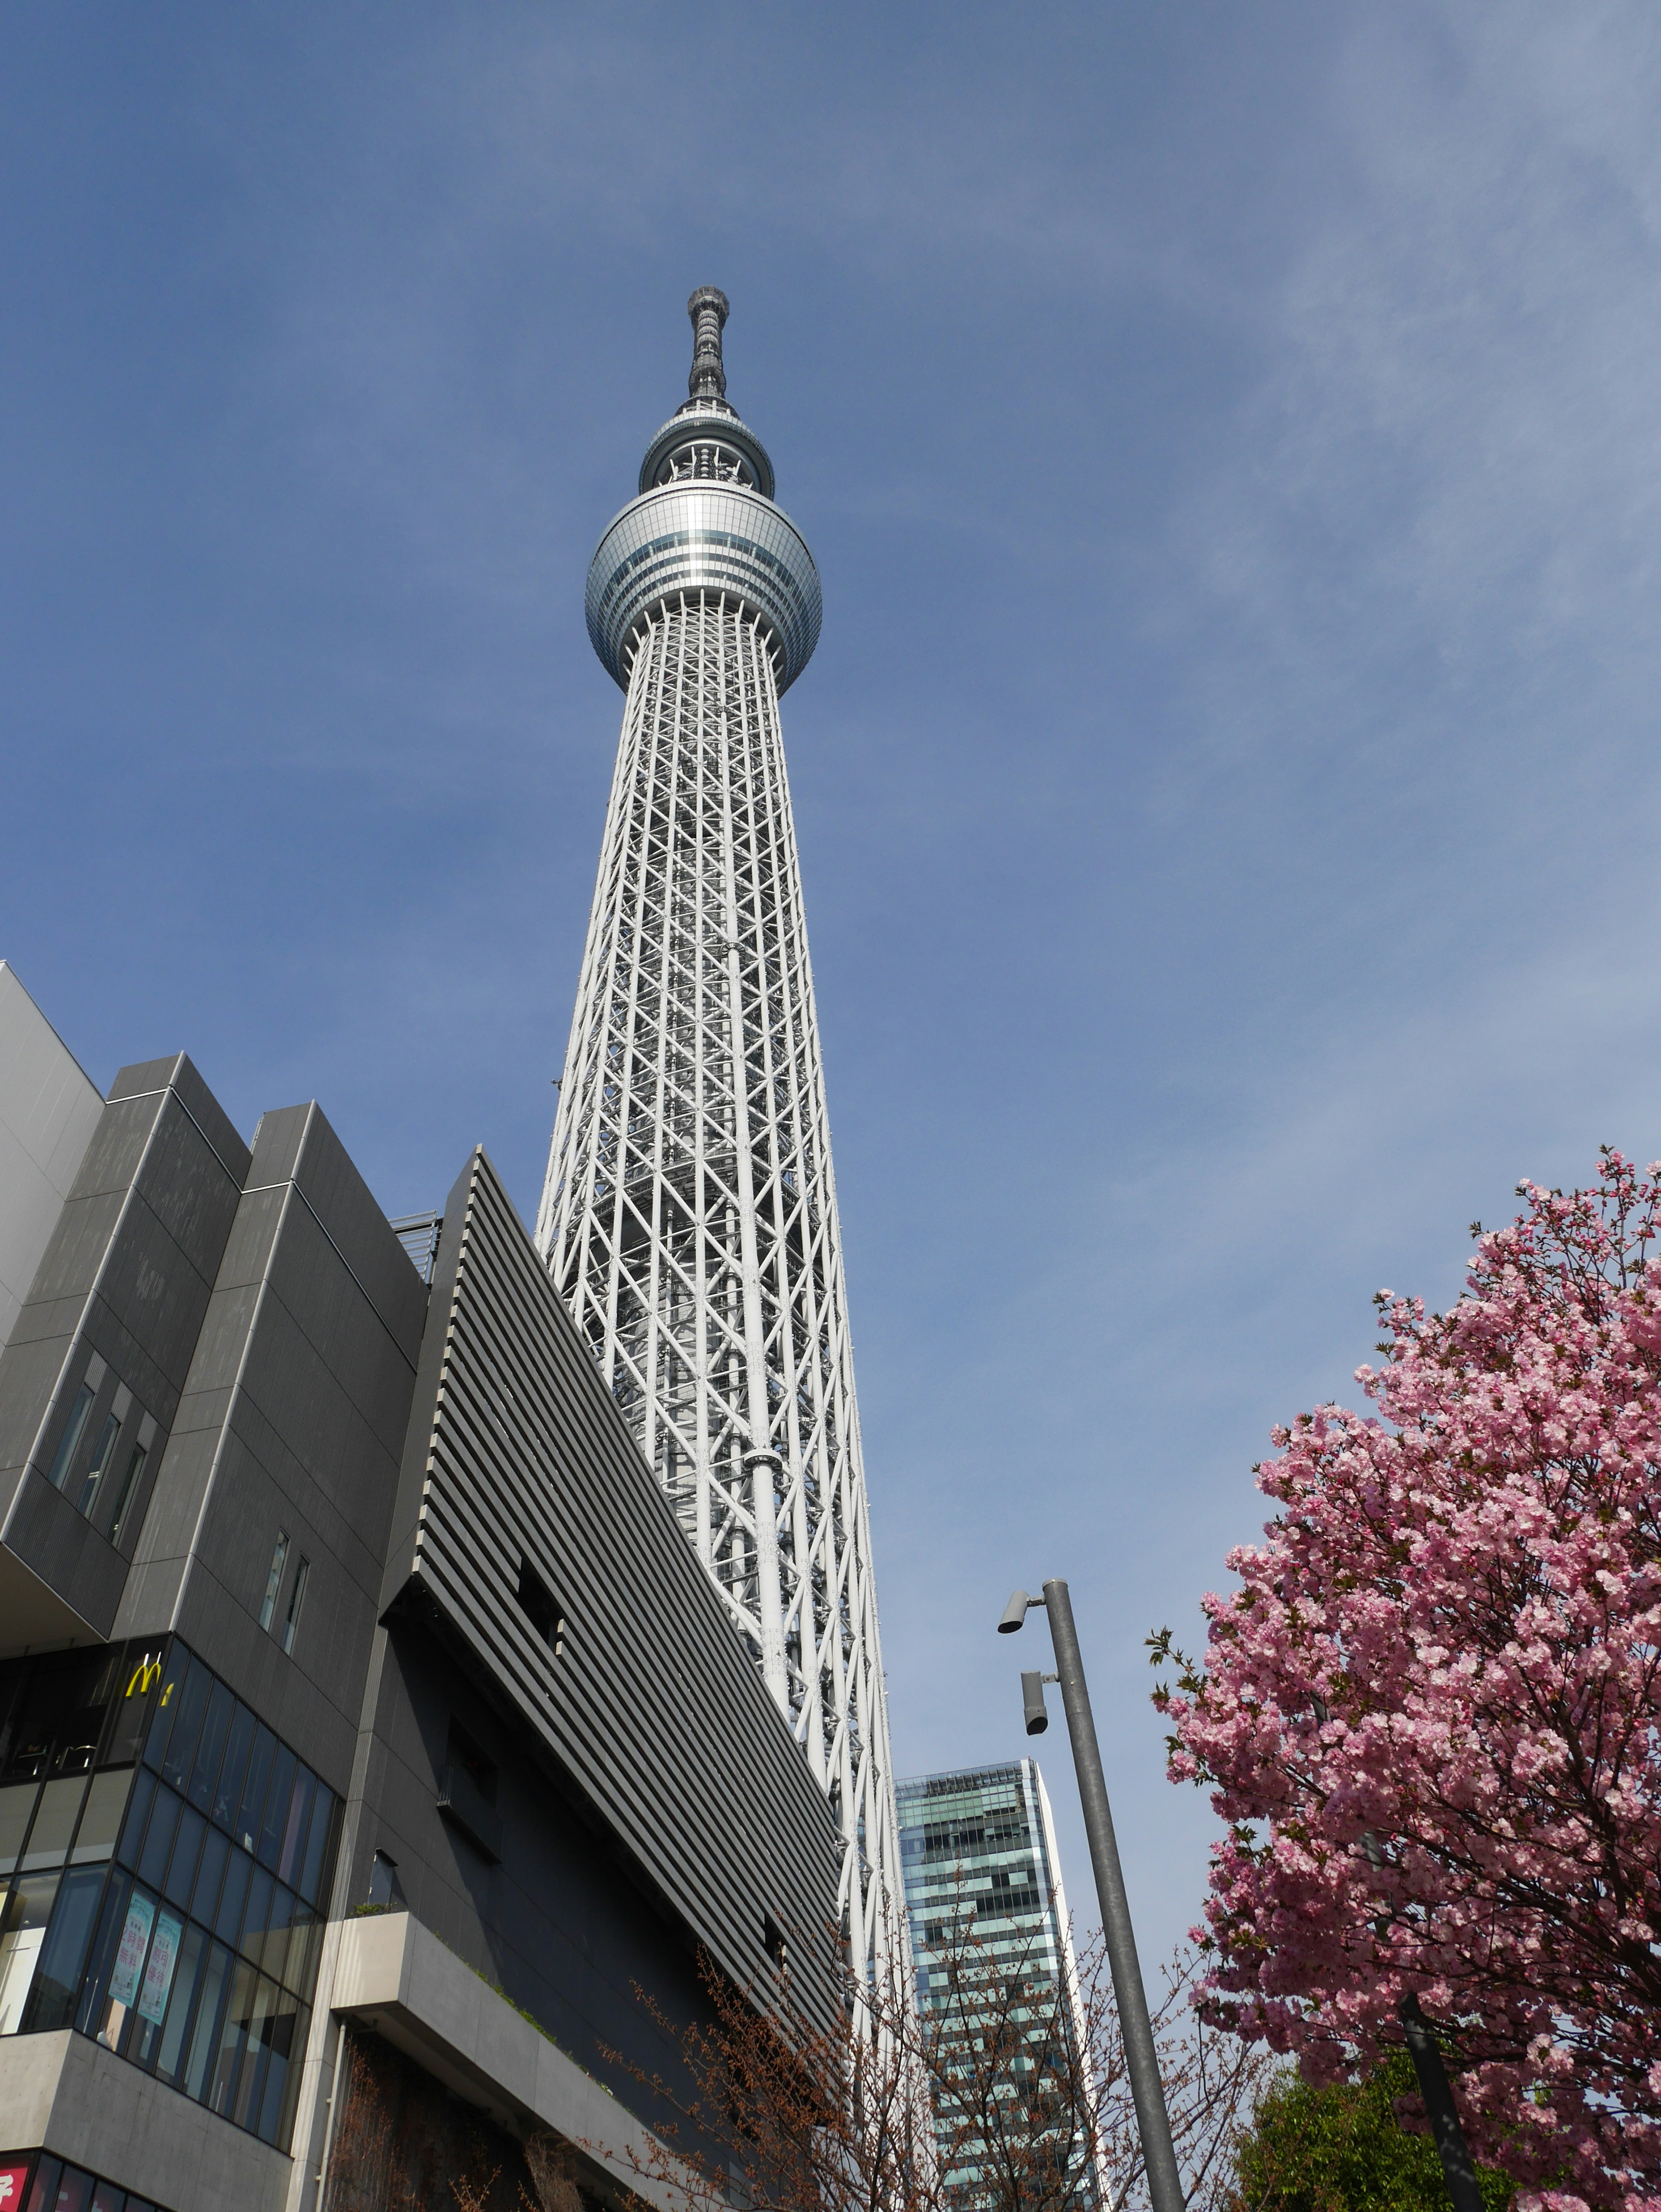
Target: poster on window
x: 158, y: 1975
x: 12, y: 2178
x: 124, y: 1982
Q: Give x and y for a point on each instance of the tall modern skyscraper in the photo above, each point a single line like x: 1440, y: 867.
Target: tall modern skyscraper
x: 979, y: 1852
x: 690, y: 1214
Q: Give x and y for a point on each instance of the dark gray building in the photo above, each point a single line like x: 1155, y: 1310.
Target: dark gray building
x: 369, y: 1733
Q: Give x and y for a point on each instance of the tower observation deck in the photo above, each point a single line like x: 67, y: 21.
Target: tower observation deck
x: 689, y: 1216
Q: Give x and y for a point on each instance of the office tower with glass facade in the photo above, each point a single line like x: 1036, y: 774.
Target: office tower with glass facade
x: 689, y: 1217
x: 370, y: 1738
x: 987, y: 1909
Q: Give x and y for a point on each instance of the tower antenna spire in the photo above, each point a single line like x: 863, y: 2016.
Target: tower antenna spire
x: 708, y: 309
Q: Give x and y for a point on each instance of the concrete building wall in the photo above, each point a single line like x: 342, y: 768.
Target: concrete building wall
x: 64, y: 2093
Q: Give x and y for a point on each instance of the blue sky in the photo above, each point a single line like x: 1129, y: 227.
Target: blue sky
x: 1227, y: 783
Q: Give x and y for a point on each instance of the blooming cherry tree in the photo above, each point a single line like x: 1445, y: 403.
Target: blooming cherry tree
x: 1430, y: 1710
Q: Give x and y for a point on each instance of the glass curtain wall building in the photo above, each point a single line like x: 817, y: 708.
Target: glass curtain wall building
x: 165, y: 1861
x: 984, y: 1888
x: 689, y: 1216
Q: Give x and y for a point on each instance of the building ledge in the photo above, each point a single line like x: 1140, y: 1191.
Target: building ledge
x: 394, y: 1976
x: 72, y: 2097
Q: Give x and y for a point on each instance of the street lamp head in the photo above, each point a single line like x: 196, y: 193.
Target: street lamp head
x: 1015, y: 1612
x: 1037, y: 1720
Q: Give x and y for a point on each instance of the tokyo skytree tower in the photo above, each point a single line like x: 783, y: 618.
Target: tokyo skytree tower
x: 689, y: 1213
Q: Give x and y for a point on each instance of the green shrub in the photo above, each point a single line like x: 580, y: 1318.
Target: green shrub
x: 1343, y: 2150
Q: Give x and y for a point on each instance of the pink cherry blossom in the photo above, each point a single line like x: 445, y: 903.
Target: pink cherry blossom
x: 1431, y: 1712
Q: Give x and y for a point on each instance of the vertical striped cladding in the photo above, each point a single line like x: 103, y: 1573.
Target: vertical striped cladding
x: 650, y: 1708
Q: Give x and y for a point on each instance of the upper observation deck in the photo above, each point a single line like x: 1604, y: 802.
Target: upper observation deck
x: 704, y: 521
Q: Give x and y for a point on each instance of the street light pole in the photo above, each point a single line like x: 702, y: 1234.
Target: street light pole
x: 1141, y: 2060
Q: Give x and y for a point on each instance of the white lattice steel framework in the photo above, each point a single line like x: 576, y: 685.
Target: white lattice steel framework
x: 690, y: 1212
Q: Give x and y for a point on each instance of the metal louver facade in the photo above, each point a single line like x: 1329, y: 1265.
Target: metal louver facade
x: 517, y: 1458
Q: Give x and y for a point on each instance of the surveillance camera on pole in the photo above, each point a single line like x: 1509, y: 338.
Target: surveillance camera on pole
x: 1037, y: 1720
x: 1015, y: 1612
x: 1141, y: 2062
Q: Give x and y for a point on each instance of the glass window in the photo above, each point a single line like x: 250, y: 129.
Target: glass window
x: 296, y: 1600
x: 385, y: 1888
x: 303, y: 1944
x: 43, y: 2197
x: 253, y: 1794
x: 139, y: 1681
x: 187, y: 1725
x: 204, y: 1898
x: 281, y: 2039
x: 63, y: 1956
x: 294, y: 1828
x: 250, y: 2082
x: 59, y: 1715
x: 211, y: 1749
x: 22, y: 1930
x: 17, y: 1803
x: 13, y: 1676
x: 317, y: 1842
x: 233, y: 2038
x: 74, y: 2191
x: 234, y: 1771
x: 272, y: 1828
x: 274, y: 1579
x: 171, y: 2052
x: 100, y: 1821
x: 158, y: 1838
x: 283, y: 2131
x: 100, y: 1466
x: 273, y: 1952
x: 228, y: 1919
x: 54, y: 1823
x: 187, y: 1846
x: 156, y: 1743
x: 89, y: 2018
x: 128, y: 1492
x: 205, y: 2036
x: 70, y: 1443
x: 106, y: 2197
x: 258, y: 1917
x: 132, y: 1833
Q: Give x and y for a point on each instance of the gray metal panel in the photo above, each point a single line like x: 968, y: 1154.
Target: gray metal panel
x: 177, y: 1073
x: 652, y: 1709
x: 49, y: 1108
x: 295, y: 1145
x: 293, y: 1416
x: 125, y: 1281
x: 563, y: 1922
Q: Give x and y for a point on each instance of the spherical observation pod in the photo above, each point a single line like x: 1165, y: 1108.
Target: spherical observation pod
x: 695, y: 535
